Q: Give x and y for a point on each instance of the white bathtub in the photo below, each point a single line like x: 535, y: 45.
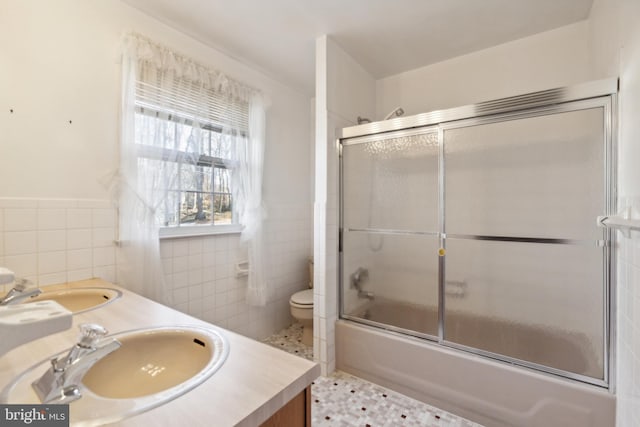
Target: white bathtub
x: 485, y: 391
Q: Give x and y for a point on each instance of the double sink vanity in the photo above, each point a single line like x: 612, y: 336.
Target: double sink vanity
x: 137, y: 362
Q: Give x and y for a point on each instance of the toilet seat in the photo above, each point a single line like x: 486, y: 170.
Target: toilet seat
x: 302, y: 299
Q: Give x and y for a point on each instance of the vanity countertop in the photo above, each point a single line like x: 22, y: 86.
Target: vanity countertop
x: 254, y: 382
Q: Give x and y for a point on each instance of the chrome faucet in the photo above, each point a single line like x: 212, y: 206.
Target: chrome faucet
x: 61, y: 383
x: 358, y: 276
x: 356, y: 282
x: 20, y: 292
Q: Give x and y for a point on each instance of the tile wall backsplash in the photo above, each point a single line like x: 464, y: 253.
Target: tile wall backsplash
x: 201, y: 271
x: 628, y: 324
x: 52, y: 241
x: 56, y: 241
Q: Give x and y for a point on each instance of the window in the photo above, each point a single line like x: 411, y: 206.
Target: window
x: 197, y: 179
x: 182, y: 146
x: 191, y: 160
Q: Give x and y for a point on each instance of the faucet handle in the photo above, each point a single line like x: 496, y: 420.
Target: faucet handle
x: 21, y: 285
x: 90, y: 333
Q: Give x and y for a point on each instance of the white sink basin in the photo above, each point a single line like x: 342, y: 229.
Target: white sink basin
x: 152, y: 367
x: 79, y: 300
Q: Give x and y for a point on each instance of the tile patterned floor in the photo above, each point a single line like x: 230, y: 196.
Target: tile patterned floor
x: 342, y: 400
x: 290, y: 340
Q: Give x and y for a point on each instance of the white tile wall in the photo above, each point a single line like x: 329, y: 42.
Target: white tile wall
x: 628, y: 336
x: 201, y: 273
x: 57, y: 240
x: 326, y: 251
x: 344, y: 91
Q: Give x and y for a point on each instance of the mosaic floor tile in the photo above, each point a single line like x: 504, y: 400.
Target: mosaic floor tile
x: 290, y: 340
x: 342, y: 400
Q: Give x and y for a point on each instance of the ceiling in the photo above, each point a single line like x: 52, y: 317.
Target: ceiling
x: 385, y: 36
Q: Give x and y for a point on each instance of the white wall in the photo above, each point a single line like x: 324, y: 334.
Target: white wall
x: 614, y: 38
x: 344, y: 91
x: 552, y: 59
x: 59, y: 63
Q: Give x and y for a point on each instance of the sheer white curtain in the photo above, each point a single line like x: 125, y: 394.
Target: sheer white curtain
x: 138, y: 263
x: 167, y: 100
x: 248, y: 153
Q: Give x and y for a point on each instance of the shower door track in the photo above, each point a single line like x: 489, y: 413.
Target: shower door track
x: 508, y: 105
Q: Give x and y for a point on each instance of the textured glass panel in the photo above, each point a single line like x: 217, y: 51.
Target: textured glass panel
x: 538, y: 177
x: 535, y: 302
x: 397, y: 277
x: 392, y: 183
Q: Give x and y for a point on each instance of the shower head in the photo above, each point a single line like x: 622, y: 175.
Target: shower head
x: 395, y: 113
x: 362, y: 120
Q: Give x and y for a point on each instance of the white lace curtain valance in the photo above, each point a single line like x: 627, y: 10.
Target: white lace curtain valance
x: 194, y: 95
x: 154, y: 60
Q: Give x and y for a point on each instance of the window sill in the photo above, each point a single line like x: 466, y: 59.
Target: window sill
x: 198, y: 231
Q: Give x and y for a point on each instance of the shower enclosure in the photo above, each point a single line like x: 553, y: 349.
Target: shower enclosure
x: 475, y: 228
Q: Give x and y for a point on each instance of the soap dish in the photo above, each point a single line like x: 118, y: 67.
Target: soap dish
x: 22, y: 323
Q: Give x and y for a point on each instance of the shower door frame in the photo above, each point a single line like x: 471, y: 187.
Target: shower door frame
x: 598, y: 94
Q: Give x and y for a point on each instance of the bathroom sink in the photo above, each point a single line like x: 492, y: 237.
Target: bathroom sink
x: 79, y: 300
x: 150, y: 362
x: 152, y: 367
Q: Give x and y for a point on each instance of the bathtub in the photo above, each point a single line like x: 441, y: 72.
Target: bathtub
x: 552, y: 347
x: 492, y: 393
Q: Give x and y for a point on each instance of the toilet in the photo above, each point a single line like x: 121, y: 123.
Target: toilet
x: 302, y: 309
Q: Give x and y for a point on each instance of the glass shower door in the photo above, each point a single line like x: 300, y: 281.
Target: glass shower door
x: 525, y: 261
x: 390, y: 230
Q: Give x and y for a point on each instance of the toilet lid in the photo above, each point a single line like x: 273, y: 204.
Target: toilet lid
x: 303, y: 297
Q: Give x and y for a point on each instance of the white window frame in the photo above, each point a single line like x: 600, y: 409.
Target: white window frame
x: 191, y: 230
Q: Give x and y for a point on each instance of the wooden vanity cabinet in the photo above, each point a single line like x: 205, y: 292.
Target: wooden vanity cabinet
x: 296, y: 413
